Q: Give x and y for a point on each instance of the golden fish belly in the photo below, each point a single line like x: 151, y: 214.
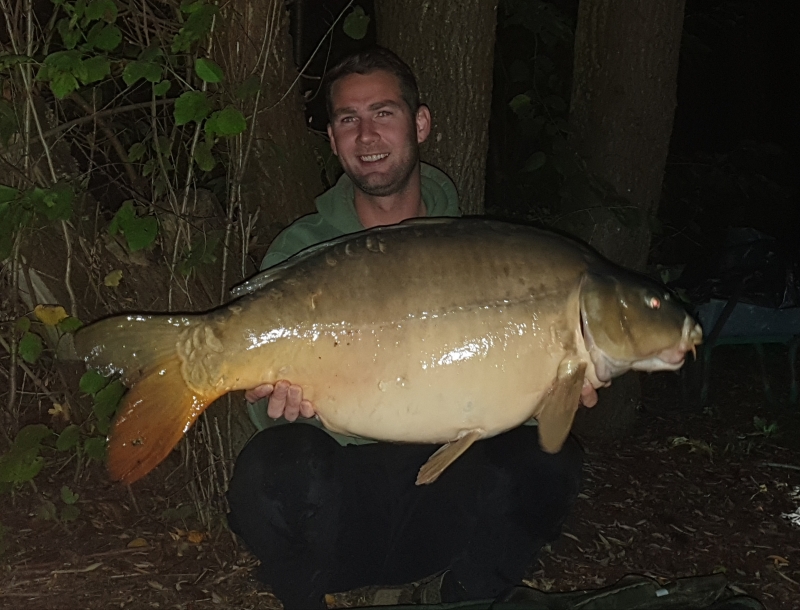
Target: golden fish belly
x: 426, y: 379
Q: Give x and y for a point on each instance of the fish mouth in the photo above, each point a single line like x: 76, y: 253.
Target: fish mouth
x: 668, y: 359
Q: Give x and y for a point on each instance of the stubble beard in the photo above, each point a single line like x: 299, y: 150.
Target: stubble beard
x: 396, y: 181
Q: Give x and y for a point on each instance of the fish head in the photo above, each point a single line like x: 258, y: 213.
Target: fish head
x: 630, y: 322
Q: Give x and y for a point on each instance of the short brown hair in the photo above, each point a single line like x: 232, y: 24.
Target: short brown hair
x: 371, y: 60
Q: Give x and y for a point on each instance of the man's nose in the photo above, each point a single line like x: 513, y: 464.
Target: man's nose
x: 367, y: 132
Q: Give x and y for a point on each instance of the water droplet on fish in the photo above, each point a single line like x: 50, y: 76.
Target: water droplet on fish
x: 383, y: 385
x: 402, y: 382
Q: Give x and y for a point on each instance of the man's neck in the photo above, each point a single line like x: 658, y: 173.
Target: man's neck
x: 382, y: 211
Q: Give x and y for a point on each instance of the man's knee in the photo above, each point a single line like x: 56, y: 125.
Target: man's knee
x: 279, y: 474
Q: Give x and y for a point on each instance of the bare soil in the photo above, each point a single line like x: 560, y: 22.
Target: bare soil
x: 690, y: 492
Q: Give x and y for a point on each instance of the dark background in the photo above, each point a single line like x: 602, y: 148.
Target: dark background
x: 735, y: 145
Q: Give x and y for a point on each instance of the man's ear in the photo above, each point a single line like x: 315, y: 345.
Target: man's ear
x: 423, y: 123
x: 332, y: 139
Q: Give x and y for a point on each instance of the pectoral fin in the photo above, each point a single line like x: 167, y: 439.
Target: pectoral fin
x: 444, y: 456
x: 559, y: 406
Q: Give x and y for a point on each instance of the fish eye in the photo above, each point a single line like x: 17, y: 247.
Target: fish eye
x: 652, y: 302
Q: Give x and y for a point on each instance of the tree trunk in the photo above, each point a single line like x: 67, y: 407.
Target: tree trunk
x: 623, y: 105
x: 280, y: 177
x: 450, y: 47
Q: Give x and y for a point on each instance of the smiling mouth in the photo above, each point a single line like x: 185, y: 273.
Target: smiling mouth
x: 373, y: 158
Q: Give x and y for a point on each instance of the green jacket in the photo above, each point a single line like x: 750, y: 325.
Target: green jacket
x: 336, y: 216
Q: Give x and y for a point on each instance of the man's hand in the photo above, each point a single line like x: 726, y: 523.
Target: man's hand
x: 284, y: 399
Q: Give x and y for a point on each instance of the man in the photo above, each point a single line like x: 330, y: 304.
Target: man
x: 326, y: 516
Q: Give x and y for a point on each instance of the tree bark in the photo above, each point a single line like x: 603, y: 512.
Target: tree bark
x: 450, y: 47
x: 621, y: 115
x: 282, y: 176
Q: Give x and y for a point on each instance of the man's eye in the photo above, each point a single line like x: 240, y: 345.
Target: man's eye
x: 384, y: 113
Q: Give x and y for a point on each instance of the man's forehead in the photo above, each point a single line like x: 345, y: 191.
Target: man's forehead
x: 365, y: 90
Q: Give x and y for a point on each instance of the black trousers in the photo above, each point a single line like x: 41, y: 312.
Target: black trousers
x: 323, y: 518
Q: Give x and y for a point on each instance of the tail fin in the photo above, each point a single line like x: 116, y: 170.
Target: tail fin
x: 131, y: 344
x: 154, y: 415
x: 160, y: 407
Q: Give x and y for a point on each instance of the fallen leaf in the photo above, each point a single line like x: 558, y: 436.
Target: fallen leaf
x: 50, y: 314
x: 778, y: 560
x: 196, y: 537
x: 137, y: 543
x: 112, y: 279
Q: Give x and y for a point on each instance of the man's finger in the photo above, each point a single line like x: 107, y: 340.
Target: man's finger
x: 307, y: 409
x: 259, y: 392
x: 277, y: 402
x: 293, y: 398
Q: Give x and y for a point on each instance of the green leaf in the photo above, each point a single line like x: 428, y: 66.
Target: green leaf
x: 23, y: 325
x: 19, y: 466
x: 137, y: 70
x: 141, y: 233
x: 202, y: 252
x: 534, y: 162
x: 104, y: 37
x: 70, y: 512
x: 68, y: 438
x: 62, y: 84
x: 30, y: 347
x: 69, y: 324
x: 520, y: 104
x: 136, y: 151
x: 356, y: 23
x: 191, y: 106
x: 161, y: 88
x: 70, y: 36
x: 138, y: 232
x: 101, y: 9
x: 46, y: 511
x: 68, y: 496
x: 103, y: 425
x: 31, y: 437
x: 191, y: 6
x: 7, y: 193
x: 124, y: 213
x: 54, y: 203
x: 107, y: 399
x: 64, y: 61
x: 92, y: 382
x: 97, y: 68
x: 95, y: 448
x: 248, y: 88
x: 10, y: 60
x: 207, y: 70
x: 203, y: 157
x: 226, y: 122
x: 196, y: 27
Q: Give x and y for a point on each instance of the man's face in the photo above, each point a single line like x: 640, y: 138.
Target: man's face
x: 374, y: 133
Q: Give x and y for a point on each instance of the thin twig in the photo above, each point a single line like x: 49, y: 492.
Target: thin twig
x: 98, y: 115
x: 36, y: 381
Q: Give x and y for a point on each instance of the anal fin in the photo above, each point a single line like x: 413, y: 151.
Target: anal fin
x: 444, y: 456
x: 153, y: 416
x: 559, y: 406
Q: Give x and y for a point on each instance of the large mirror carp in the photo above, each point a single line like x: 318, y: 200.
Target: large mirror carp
x: 431, y: 331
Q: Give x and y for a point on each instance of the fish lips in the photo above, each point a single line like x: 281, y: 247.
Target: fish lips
x: 670, y: 358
